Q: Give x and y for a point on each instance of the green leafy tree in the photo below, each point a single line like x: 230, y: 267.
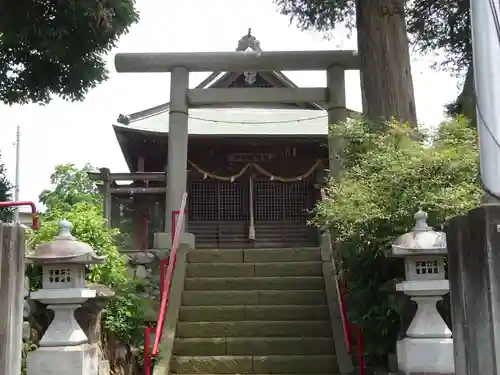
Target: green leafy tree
x: 433, y: 25
x: 387, y: 177
x: 5, y: 192
x: 74, y: 198
x: 442, y: 25
x: 71, y: 185
x: 445, y: 25
x: 57, y: 48
x: 383, y: 49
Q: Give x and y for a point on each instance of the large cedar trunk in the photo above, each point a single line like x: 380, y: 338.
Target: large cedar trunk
x: 386, y: 79
x: 466, y: 101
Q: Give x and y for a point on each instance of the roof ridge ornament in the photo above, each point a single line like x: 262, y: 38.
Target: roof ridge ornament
x: 249, y: 43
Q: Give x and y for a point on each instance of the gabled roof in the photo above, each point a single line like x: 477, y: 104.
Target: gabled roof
x: 238, y: 122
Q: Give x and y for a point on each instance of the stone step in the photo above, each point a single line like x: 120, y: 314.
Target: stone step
x: 253, y: 346
x: 255, y: 283
x: 253, y: 313
x: 272, y: 374
x: 271, y: 269
x: 253, y: 297
x: 253, y: 329
x: 254, y: 255
x: 282, y: 255
x: 272, y: 364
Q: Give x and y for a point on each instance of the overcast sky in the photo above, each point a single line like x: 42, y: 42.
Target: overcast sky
x: 77, y: 133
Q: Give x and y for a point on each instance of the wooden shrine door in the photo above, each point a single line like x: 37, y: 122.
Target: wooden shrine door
x: 219, y: 213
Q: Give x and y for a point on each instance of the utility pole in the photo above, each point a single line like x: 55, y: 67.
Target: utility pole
x: 474, y: 237
x: 17, y: 177
x: 486, y: 61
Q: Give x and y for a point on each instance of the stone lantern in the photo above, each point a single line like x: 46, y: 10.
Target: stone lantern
x: 428, y: 346
x: 64, y: 347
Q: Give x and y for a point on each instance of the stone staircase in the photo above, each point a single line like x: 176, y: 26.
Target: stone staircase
x: 254, y: 312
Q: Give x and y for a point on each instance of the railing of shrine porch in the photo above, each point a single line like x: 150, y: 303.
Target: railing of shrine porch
x: 165, y: 282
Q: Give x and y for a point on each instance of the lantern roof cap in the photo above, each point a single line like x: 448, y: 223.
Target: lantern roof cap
x: 64, y: 247
x: 421, y: 240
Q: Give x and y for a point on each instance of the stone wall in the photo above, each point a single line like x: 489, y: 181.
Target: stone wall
x: 144, y: 270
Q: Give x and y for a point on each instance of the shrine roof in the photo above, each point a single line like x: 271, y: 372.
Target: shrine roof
x: 238, y: 122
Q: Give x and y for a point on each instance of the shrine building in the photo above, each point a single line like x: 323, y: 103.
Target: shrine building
x: 254, y: 169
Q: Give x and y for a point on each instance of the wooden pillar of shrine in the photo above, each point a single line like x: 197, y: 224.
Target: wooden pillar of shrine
x: 115, y: 212
x: 106, y: 195
x: 140, y: 223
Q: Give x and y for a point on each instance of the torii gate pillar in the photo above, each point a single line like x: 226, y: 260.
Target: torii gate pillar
x: 177, y: 142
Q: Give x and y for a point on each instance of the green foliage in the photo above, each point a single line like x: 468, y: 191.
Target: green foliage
x: 5, y: 192
x: 432, y: 24
x: 443, y: 25
x: 52, y: 47
x: 71, y: 186
x: 387, y: 177
x: 74, y: 199
x: 319, y: 15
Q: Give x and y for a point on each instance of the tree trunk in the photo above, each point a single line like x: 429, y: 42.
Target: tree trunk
x: 385, y: 61
x: 466, y: 101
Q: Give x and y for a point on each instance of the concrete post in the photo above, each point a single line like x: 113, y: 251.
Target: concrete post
x: 456, y: 239
x: 12, y: 247
x: 474, y: 273
x: 337, y: 112
x: 177, y: 142
x: 486, y: 53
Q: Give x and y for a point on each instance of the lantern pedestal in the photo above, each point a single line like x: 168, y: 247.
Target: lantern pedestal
x: 75, y: 360
x: 64, y: 329
x: 428, y: 347
x: 425, y: 356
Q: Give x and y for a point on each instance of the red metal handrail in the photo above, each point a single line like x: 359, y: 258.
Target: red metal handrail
x: 350, y: 330
x: 343, y: 318
x: 168, y: 277
x: 34, y: 215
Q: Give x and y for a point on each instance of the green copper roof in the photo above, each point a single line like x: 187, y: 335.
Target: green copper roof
x: 240, y: 121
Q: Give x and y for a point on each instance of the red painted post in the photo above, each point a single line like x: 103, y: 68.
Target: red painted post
x: 356, y: 332
x: 147, y: 363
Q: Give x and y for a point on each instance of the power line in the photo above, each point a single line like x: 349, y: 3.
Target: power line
x: 257, y: 122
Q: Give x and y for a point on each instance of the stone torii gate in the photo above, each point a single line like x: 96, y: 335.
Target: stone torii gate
x: 335, y: 63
